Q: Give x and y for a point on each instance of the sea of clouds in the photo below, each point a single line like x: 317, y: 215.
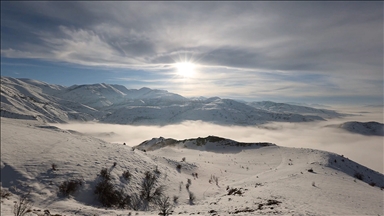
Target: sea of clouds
x: 366, y: 150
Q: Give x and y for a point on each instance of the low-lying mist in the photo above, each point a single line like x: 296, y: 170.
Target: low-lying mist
x: 366, y: 150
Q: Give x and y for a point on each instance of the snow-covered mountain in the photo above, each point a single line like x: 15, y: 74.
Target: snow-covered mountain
x: 364, y: 128
x: 295, y: 109
x: 214, y: 110
x: 30, y: 99
x: 225, y: 177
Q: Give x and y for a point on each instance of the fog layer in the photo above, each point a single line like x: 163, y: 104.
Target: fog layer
x: 366, y: 150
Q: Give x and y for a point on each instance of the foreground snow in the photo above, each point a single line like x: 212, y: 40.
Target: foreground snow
x: 272, y: 179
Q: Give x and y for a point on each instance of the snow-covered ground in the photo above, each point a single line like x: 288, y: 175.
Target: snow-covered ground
x: 271, y: 179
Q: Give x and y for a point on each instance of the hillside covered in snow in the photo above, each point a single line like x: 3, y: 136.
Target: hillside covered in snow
x: 371, y: 128
x: 196, y: 176
x: 106, y: 103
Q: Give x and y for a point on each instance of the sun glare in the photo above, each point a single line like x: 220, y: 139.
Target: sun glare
x: 185, y: 69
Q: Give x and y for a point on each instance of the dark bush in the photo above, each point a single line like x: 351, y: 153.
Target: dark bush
x: 69, y: 187
x: 54, y: 166
x: 105, y: 174
x: 373, y: 184
x: 175, y: 199
x: 178, y: 166
x: 127, y: 175
x: 310, y: 170
x: 192, y: 198
x: 109, y: 197
x: 359, y: 176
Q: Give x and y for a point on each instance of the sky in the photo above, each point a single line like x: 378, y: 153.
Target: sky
x: 308, y: 52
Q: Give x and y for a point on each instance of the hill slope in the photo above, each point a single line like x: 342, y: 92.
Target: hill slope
x: 228, y: 177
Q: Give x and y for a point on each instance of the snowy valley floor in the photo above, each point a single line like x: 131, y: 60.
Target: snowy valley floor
x: 271, y: 179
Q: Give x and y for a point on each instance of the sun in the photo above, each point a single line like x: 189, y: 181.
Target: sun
x: 185, y: 69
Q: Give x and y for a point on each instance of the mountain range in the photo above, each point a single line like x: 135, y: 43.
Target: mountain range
x: 109, y: 103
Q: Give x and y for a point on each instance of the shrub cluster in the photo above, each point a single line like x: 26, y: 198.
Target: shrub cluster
x: 107, y: 194
x: 69, y: 187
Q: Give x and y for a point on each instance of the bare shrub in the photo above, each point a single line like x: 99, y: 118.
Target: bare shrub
x: 54, y: 166
x: 175, y: 199
x: 136, y: 202
x: 114, y: 164
x: 148, y: 191
x: 5, y: 194
x: 157, y: 171
x: 164, y: 205
x: 127, y: 175
x: 69, y: 187
x: 183, y: 159
x: 214, y: 179
x: 22, y: 205
x: 235, y: 191
x: 192, y: 198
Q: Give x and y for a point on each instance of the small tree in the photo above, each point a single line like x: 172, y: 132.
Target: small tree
x: 148, y: 191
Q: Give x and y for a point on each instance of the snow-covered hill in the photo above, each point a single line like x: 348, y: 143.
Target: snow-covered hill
x: 226, y: 177
x: 364, y: 128
x: 31, y: 99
